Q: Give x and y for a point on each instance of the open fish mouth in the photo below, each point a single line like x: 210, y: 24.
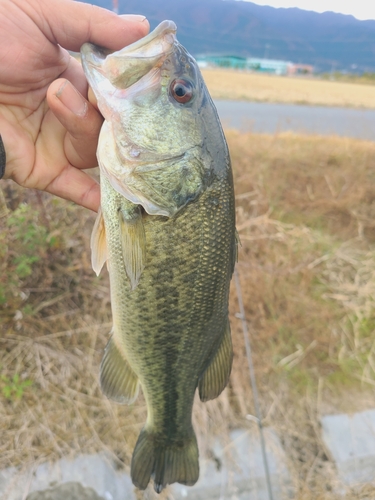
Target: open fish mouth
x: 126, y: 66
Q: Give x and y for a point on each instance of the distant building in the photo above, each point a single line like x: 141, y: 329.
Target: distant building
x: 271, y: 66
x: 235, y: 62
x: 301, y: 69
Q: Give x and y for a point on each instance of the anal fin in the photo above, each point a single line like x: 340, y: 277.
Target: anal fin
x: 117, y: 380
x: 216, y: 375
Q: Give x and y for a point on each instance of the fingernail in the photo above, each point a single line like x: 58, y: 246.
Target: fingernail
x: 72, y: 99
x: 135, y: 18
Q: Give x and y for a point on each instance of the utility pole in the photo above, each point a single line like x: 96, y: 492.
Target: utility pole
x: 115, y: 6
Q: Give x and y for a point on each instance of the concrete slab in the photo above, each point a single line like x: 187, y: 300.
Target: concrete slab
x: 67, y: 491
x: 90, y: 471
x: 351, y: 442
x: 232, y: 473
x: 236, y: 471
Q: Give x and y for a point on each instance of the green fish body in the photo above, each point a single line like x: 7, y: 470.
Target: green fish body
x: 167, y: 232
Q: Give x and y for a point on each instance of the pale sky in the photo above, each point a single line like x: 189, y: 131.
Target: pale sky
x: 361, y: 9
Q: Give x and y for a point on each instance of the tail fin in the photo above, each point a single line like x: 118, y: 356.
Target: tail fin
x: 165, y: 463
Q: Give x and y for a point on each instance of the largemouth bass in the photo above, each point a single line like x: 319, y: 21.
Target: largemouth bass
x: 167, y: 231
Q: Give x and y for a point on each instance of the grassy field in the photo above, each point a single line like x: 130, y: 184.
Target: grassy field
x: 305, y: 215
x: 238, y: 85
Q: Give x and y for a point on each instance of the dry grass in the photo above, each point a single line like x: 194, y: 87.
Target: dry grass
x: 304, y: 214
x: 305, y: 209
x: 238, y: 85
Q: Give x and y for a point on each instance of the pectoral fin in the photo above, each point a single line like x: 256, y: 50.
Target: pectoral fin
x: 117, y: 379
x: 98, y: 244
x: 215, y: 378
x: 133, y: 242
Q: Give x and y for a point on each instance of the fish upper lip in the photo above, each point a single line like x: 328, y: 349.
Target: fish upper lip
x: 164, y: 28
x: 96, y: 56
x: 154, y: 47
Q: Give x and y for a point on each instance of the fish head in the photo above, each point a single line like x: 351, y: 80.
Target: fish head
x: 161, y: 143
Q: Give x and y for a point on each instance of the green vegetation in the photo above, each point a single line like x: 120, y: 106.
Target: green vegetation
x: 13, y: 388
x: 30, y: 244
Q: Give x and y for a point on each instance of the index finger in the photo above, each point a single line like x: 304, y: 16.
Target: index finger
x: 73, y: 23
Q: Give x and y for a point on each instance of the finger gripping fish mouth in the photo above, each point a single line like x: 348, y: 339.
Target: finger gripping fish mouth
x: 124, y: 67
x: 164, y: 33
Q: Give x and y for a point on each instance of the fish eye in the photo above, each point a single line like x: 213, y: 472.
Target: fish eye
x: 181, y: 90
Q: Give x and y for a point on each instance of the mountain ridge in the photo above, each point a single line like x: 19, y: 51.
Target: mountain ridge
x: 328, y: 41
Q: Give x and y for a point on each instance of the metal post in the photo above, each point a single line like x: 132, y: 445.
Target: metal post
x: 253, y: 383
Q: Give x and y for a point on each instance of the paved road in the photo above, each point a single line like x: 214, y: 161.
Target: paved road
x: 271, y: 118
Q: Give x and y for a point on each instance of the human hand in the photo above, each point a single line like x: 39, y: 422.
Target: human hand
x: 49, y: 128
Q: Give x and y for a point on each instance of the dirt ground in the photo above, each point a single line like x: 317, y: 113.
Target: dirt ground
x: 305, y: 216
